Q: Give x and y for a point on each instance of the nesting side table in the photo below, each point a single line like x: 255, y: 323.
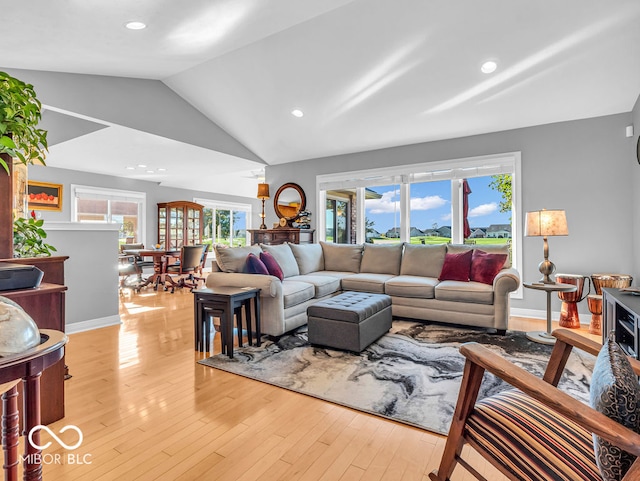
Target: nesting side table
x: 225, y: 303
x: 542, y: 336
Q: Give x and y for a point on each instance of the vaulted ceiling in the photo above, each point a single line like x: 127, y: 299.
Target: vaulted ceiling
x: 366, y: 74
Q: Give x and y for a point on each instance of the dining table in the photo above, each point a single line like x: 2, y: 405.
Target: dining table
x: 161, y: 258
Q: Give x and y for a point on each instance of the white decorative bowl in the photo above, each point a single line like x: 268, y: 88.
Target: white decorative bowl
x: 18, y: 332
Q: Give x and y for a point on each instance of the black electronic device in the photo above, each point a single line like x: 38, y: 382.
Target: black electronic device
x: 19, y: 276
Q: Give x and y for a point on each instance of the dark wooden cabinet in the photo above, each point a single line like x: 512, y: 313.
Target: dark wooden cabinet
x: 179, y: 223
x: 46, y: 306
x: 621, y: 314
x: 281, y: 235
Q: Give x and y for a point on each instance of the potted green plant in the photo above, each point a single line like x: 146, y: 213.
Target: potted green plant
x: 20, y: 113
x: 29, y: 236
x: 20, y: 138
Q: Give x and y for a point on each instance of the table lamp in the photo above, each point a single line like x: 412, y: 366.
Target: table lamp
x: 546, y: 223
x: 263, y: 194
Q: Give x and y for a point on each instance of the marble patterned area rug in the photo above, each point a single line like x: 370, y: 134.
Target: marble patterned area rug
x: 411, y: 375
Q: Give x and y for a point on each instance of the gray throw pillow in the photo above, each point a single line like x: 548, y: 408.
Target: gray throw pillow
x: 234, y: 259
x: 423, y: 260
x: 284, y: 257
x: 309, y: 257
x: 381, y: 259
x: 615, y: 392
x: 342, y: 257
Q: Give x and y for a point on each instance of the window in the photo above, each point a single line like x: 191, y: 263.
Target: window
x: 337, y: 221
x: 425, y: 203
x: 225, y: 223
x: 100, y: 205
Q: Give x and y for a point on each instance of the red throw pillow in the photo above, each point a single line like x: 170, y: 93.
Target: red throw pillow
x: 456, y: 267
x: 272, y: 265
x: 255, y: 265
x: 485, y: 266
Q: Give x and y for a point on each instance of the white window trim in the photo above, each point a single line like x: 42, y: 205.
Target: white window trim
x: 484, y: 165
x: 232, y: 206
x: 112, y: 194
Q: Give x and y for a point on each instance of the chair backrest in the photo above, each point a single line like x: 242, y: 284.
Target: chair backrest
x: 204, y: 257
x: 191, y: 257
x: 126, y: 247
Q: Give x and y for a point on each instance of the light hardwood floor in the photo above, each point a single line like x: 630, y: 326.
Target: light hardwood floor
x: 148, y: 411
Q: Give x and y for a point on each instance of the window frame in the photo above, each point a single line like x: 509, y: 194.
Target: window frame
x: 405, y: 175
x: 231, y: 206
x: 110, y: 194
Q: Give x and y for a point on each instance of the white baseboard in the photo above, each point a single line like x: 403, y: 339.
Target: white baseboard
x: 91, y: 324
x: 585, y: 318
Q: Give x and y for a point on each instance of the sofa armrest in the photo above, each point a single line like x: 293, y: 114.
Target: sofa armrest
x: 507, y: 280
x: 271, y: 286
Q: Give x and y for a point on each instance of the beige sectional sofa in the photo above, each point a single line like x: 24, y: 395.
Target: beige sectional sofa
x: 408, y: 273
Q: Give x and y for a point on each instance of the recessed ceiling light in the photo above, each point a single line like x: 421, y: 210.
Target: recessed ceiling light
x: 297, y: 113
x: 130, y: 168
x: 142, y: 166
x: 489, y: 66
x: 149, y: 171
x: 135, y: 25
x: 161, y: 169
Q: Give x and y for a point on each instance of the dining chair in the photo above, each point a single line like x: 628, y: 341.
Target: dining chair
x: 538, y: 432
x: 186, y: 268
x: 130, y: 272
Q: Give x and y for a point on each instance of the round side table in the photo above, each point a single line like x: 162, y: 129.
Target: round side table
x: 542, y: 336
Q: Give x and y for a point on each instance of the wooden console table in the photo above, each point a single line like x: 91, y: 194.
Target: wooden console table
x: 281, y: 235
x: 28, y: 367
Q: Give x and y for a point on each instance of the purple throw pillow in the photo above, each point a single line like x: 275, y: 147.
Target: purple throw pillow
x: 485, y: 266
x: 272, y: 265
x: 255, y: 265
x: 456, y: 267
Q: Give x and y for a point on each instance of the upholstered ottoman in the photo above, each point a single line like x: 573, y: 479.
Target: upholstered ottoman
x: 349, y: 321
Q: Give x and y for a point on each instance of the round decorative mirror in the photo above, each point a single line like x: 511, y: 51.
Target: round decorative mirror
x: 289, y: 201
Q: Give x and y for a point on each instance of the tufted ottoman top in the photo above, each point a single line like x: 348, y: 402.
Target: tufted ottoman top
x: 350, y: 306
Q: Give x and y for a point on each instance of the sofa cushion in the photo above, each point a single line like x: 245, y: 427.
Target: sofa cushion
x: 365, y: 282
x: 283, y: 255
x: 411, y: 286
x: 308, y: 256
x: 457, y: 267
x: 458, y: 291
x: 234, y: 259
x: 485, y: 266
x: 272, y: 265
x: 423, y: 261
x: 615, y: 392
x: 324, y: 285
x: 490, y: 248
x: 342, y: 257
x: 295, y: 292
x: 255, y: 265
x: 381, y: 259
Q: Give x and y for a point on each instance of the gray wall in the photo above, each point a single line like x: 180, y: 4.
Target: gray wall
x: 155, y: 193
x: 585, y: 167
x: 91, y: 273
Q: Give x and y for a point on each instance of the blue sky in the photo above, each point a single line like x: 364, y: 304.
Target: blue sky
x: 431, y: 204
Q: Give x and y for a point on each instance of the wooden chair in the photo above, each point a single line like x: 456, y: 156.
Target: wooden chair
x: 526, y: 442
x: 190, y: 261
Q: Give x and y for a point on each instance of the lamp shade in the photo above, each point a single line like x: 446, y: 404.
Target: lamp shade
x: 546, y: 223
x: 263, y: 191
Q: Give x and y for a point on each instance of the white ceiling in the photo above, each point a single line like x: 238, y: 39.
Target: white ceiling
x: 366, y: 73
